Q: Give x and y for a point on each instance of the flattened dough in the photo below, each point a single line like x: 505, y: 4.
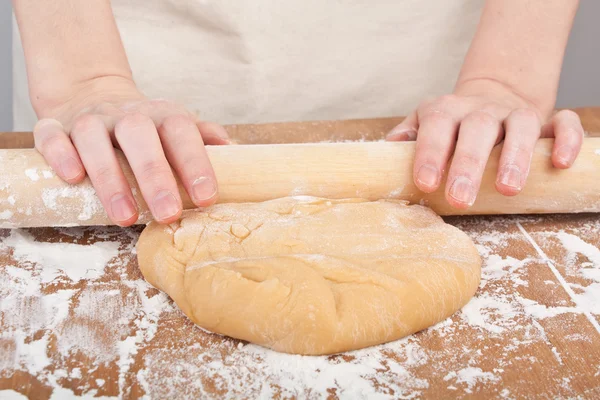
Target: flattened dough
x: 312, y: 276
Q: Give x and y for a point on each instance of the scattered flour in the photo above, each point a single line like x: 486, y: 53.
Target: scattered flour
x: 294, y: 375
x: 11, y: 395
x: 576, y: 245
x: 103, y: 309
x: 305, y: 198
x: 6, y: 214
x: 71, y: 260
x: 396, y: 192
x: 470, y: 376
x: 63, y: 316
x: 32, y: 174
x: 86, y: 197
x: 490, y: 312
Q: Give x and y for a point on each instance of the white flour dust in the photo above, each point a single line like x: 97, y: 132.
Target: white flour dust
x: 470, y: 376
x: 89, y: 299
x: 32, y: 174
x: 292, y: 375
x: 94, y: 320
x: 72, y: 260
x: 84, y: 198
x: 6, y: 214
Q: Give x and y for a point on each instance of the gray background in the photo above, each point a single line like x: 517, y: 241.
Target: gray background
x: 579, y: 85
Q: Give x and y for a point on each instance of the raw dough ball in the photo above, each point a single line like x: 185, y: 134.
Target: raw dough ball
x: 312, y: 276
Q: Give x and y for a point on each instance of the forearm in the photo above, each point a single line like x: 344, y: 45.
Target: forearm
x: 520, y: 44
x: 67, y: 43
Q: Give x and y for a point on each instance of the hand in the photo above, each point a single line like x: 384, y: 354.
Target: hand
x: 78, y: 135
x: 468, y: 124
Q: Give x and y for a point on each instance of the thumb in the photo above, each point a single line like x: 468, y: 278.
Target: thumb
x: 406, y: 130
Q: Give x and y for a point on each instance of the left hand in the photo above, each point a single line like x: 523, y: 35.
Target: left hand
x: 468, y: 124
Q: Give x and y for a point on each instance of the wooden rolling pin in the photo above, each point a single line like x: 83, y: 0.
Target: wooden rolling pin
x: 32, y: 195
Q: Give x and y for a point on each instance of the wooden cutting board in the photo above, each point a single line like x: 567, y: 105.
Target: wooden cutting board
x: 77, y: 318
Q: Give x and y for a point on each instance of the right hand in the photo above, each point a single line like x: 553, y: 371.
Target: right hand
x: 78, y: 136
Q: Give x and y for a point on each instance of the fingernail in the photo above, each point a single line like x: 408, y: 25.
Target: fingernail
x: 428, y: 175
x: 203, y: 188
x: 70, y: 168
x: 121, y: 207
x: 223, y: 134
x: 409, y: 134
x: 462, y: 190
x: 511, y: 177
x: 563, y: 155
x: 165, y: 205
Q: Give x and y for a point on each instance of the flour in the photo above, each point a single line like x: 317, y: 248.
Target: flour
x: 11, y: 395
x: 576, y: 245
x: 32, y: 174
x: 470, y: 376
x: 294, y: 373
x: 482, y: 311
x: 86, y: 201
x: 81, y: 299
x: 62, y: 259
x: 6, y: 214
x: 396, y: 192
x: 25, y: 309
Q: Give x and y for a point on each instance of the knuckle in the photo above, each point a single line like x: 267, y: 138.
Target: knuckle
x: 132, y: 123
x: 195, y: 164
x: 160, y: 103
x: 48, y: 141
x: 573, y: 133
x: 176, y: 123
x: 154, y: 171
x: 438, y: 105
x: 85, y: 124
x: 446, y: 100
x: 470, y: 162
x: 482, y: 118
x: 437, y: 116
x: 569, y: 114
x: 105, y: 178
x: 524, y: 113
x: 520, y: 152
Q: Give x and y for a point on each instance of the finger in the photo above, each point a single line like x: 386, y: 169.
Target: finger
x: 478, y: 133
x: 548, y: 129
x: 522, y: 129
x: 435, y: 143
x: 406, y: 130
x: 92, y: 140
x: 568, y: 133
x: 56, y: 147
x: 213, y: 134
x: 138, y: 138
x: 185, y: 151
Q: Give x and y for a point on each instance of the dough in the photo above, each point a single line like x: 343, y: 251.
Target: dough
x: 312, y: 276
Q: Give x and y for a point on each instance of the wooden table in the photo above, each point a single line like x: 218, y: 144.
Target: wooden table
x: 94, y: 327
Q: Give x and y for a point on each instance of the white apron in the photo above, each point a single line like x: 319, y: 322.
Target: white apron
x: 249, y: 61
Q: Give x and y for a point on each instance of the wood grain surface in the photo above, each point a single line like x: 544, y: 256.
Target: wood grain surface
x: 532, y: 330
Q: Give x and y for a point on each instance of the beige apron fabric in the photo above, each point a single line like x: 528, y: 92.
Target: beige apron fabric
x: 235, y: 61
